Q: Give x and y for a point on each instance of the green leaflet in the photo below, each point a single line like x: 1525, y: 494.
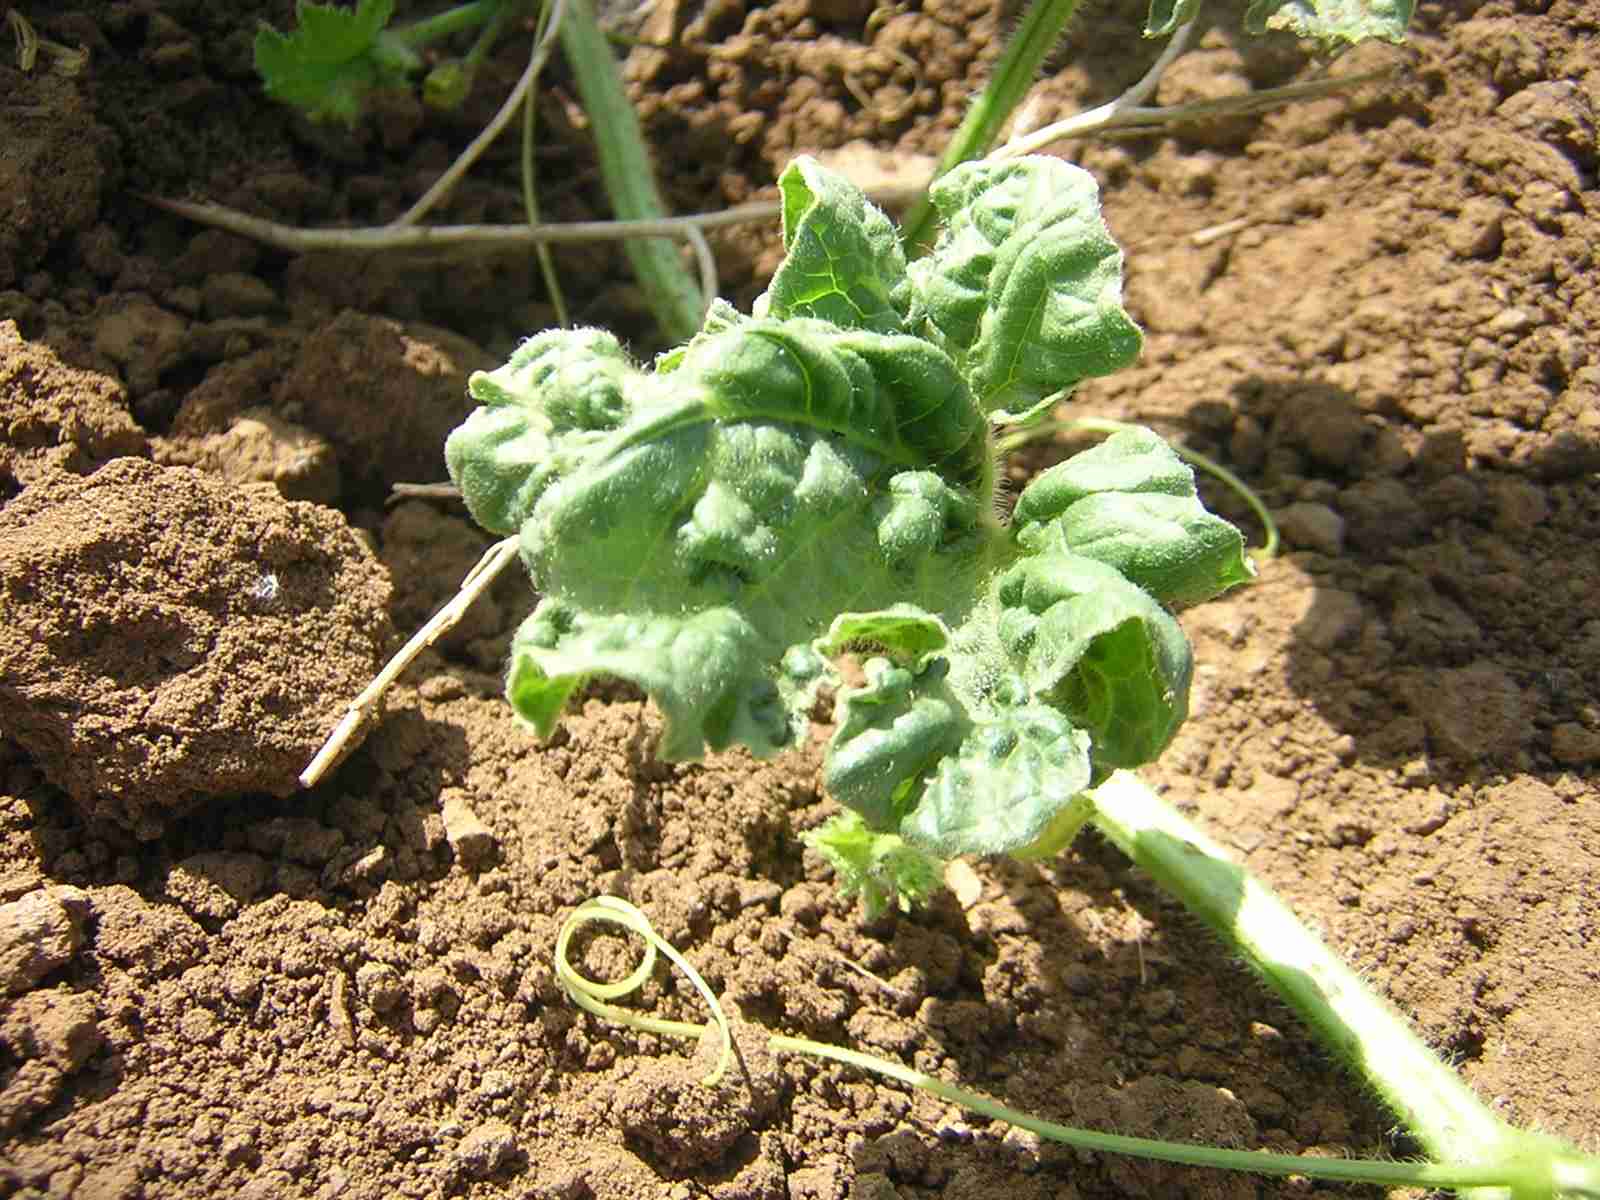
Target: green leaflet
x: 1329, y: 22
x: 1332, y: 22
x: 332, y: 59
x: 900, y: 724
x: 1130, y: 502
x: 843, y: 263
x: 1024, y: 285
x: 1101, y: 650
x: 1004, y: 786
x: 881, y: 868
x: 707, y: 672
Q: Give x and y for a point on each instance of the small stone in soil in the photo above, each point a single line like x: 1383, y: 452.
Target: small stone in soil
x: 39, y: 934
x: 469, y: 837
x: 483, y: 1151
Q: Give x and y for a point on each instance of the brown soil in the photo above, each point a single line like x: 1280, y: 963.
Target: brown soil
x: 209, y: 987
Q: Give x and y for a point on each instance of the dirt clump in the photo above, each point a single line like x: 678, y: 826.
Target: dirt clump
x: 260, y: 447
x: 419, y: 371
x: 39, y: 933
x: 144, y: 610
x: 52, y: 169
x: 56, y: 417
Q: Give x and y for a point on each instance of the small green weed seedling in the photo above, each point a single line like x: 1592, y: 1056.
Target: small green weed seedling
x: 816, y: 482
x: 336, y: 57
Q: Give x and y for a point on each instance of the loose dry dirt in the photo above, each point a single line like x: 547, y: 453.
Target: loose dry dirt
x: 210, y: 986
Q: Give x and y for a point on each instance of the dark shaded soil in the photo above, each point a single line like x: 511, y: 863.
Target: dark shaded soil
x: 348, y: 991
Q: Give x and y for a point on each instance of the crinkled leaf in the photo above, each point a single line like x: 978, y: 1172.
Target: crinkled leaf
x: 707, y: 671
x: 780, y: 471
x: 1130, y: 502
x: 890, y: 730
x: 1101, y: 650
x: 844, y: 262
x: 334, y: 57
x: 1013, y: 774
x: 555, y: 401
x: 1024, y: 285
x: 1131, y: 460
x: 786, y: 489
x: 1332, y: 22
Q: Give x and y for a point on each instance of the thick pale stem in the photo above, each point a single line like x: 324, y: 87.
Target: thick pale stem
x: 1363, y: 1029
x: 629, y: 177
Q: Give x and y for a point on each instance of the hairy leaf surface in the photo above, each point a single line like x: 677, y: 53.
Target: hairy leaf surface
x: 1101, y: 650
x: 1004, y: 785
x: 843, y: 263
x: 1024, y: 285
x: 1131, y: 503
x: 814, y: 483
x: 777, y: 471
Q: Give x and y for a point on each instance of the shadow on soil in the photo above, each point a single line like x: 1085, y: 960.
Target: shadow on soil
x: 1441, y: 623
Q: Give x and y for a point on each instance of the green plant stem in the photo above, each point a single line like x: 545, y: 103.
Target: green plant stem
x: 1391, y: 1174
x: 669, y: 287
x: 487, y: 36
x: 452, y: 20
x: 530, y: 191
x: 1013, y: 75
x: 1352, y: 1021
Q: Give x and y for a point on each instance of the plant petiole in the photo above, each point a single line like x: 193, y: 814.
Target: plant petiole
x: 451, y: 21
x: 1360, y: 1027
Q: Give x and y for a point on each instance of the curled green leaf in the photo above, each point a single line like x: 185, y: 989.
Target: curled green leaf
x: 844, y: 262
x: 1099, y: 649
x: 707, y: 671
x: 1012, y: 775
x: 1130, y: 502
x: 904, y: 633
x: 891, y: 729
x: 1024, y: 286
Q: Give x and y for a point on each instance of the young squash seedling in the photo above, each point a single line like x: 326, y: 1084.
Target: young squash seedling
x: 817, y: 480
